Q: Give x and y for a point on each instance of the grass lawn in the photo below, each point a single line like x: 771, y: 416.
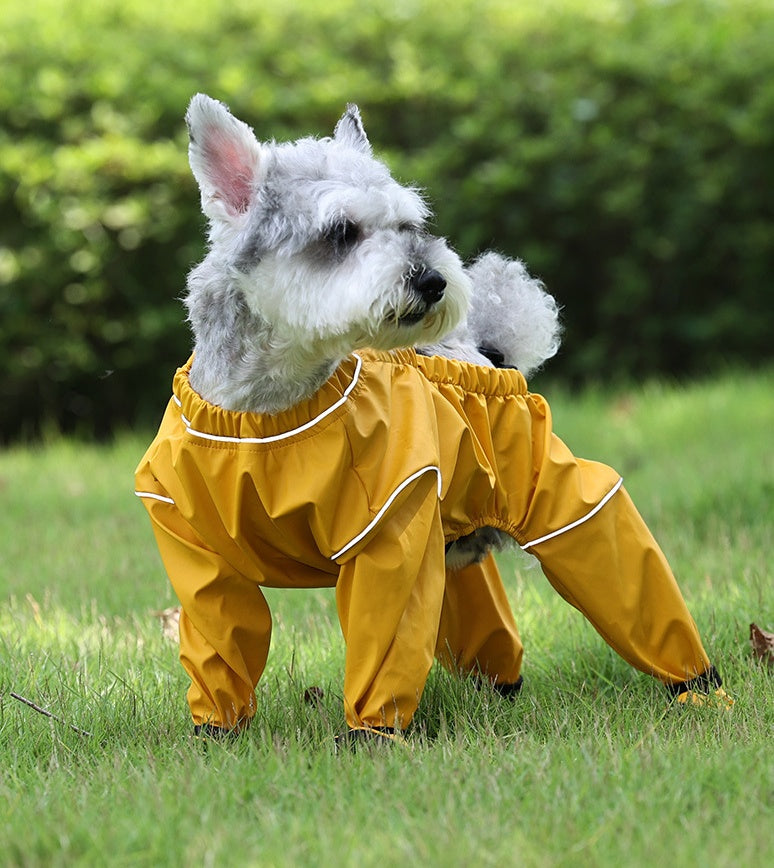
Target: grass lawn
x: 588, y: 767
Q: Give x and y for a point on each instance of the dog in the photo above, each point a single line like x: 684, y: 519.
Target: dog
x: 509, y: 321
x: 355, y: 415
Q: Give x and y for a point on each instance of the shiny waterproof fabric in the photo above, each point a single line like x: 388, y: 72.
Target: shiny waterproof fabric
x: 360, y: 487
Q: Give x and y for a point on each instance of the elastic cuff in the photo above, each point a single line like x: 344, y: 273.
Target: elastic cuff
x: 704, y: 683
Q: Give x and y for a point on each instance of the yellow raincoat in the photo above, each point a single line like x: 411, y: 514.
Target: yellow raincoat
x: 360, y: 487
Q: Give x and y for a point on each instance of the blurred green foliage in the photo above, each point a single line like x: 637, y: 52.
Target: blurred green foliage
x: 623, y: 148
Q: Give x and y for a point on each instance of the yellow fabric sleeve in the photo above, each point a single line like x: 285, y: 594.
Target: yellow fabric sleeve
x: 389, y: 597
x: 225, y: 625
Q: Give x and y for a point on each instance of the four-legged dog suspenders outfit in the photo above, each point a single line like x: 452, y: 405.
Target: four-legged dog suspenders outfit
x: 360, y: 487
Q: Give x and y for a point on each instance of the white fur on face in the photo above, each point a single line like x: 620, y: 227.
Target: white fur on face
x: 359, y: 300
x: 307, y: 288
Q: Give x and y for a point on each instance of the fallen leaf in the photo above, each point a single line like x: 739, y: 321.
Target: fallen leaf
x: 170, y: 622
x: 314, y: 695
x: 762, y: 644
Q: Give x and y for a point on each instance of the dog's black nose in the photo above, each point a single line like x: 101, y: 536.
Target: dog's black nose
x: 430, y: 284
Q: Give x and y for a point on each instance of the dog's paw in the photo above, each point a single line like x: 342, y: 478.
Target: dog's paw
x: 703, y: 691
x: 367, y: 737
x: 207, y: 734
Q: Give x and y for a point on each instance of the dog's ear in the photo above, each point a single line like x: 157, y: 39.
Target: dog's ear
x: 225, y: 159
x: 350, y: 130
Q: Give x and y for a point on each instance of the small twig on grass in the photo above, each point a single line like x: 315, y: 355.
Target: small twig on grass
x: 43, y: 711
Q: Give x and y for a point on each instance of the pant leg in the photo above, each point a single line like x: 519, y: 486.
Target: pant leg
x: 507, y: 469
x: 597, y: 552
x: 389, y: 596
x: 225, y: 624
x: 477, y: 631
x: 612, y: 570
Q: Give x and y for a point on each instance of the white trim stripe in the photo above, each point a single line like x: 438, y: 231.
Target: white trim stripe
x: 590, y: 514
x: 372, y: 524
x: 150, y: 495
x: 285, y: 434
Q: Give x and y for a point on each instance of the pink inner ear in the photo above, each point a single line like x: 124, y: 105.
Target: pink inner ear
x: 231, y: 169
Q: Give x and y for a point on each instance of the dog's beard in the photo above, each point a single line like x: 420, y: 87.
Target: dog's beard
x: 414, y: 323
x: 403, y: 317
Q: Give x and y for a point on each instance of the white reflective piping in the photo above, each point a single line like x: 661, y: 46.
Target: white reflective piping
x: 152, y: 496
x: 273, y: 438
x: 370, y: 526
x: 586, y: 517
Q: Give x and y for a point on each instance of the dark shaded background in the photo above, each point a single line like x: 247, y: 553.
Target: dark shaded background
x: 624, y: 150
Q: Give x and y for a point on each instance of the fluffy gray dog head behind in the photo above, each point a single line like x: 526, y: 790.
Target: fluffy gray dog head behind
x: 315, y: 251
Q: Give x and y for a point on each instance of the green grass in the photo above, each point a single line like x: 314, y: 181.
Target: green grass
x: 588, y: 767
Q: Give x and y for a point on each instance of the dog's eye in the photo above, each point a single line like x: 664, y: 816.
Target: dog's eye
x: 342, y: 235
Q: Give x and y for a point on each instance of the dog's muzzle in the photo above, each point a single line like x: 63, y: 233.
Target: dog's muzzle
x: 427, y: 286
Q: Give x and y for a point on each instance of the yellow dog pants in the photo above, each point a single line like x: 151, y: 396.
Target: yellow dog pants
x: 360, y: 488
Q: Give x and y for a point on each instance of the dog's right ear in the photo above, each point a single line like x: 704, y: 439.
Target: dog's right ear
x: 225, y: 159
x: 350, y: 130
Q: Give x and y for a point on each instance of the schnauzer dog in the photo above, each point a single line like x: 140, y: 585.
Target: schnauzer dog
x: 355, y: 415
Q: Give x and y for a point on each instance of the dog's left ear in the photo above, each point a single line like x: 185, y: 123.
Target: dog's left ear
x: 225, y: 159
x: 350, y: 130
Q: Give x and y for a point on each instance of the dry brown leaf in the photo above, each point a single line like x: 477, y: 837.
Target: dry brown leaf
x: 762, y: 644
x: 314, y: 695
x: 170, y: 622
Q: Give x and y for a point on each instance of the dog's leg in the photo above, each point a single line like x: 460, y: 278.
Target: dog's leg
x: 609, y: 566
x: 225, y: 625
x: 478, y: 633
x: 574, y: 516
x: 389, y: 597
x: 595, y: 549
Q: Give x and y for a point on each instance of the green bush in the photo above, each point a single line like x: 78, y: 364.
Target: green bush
x: 623, y: 149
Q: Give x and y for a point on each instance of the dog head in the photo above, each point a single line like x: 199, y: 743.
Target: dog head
x: 317, y: 245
